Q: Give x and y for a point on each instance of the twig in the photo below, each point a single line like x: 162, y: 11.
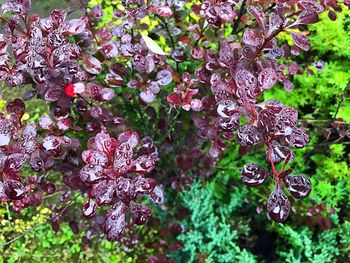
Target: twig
x: 168, y: 31
x: 267, y: 40
x: 172, y: 42
x: 170, y: 128
x: 84, y: 7
x: 269, y: 151
x: 341, y: 101
x: 25, y: 233
x: 47, y: 220
x: 241, y: 12
x: 202, y: 35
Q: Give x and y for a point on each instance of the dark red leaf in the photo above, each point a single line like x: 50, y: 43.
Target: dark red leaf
x: 157, y: 195
x: 249, y: 135
x: 144, y: 185
x: 253, y: 175
x: 253, y: 36
x: 103, y: 191
x: 91, y: 173
x: 92, y: 65
x: 258, y: 14
x: 15, y: 190
x: 278, y: 205
x: 299, y: 186
x: 301, y: 41
x: 267, y: 79
x: 89, y: 209
x: 115, y: 222
x: 140, y: 213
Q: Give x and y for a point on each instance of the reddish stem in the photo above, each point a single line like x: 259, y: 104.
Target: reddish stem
x: 275, y: 172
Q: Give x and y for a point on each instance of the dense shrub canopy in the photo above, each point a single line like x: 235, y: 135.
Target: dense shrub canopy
x: 118, y: 114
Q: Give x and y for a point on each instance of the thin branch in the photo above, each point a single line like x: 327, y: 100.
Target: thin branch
x: 170, y: 128
x: 202, y: 35
x: 241, y: 12
x: 341, y: 101
x: 267, y: 40
x: 172, y: 42
x: 325, y: 121
x: 270, y: 7
x: 165, y: 24
x: 47, y: 220
x: 84, y: 8
x: 25, y: 233
x: 269, y: 151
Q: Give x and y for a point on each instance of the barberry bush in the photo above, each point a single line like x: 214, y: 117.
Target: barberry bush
x: 144, y: 98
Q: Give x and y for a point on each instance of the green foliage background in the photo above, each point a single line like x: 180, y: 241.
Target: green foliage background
x: 227, y: 221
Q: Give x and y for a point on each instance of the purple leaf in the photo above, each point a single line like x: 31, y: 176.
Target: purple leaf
x: 249, y: 135
x: 266, y: 121
x: 103, y: 191
x: 5, y: 139
x: 20, y: 7
x: 298, y: 139
x: 278, y: 205
x: 94, y: 158
x: 229, y: 124
x: 253, y: 37
x: 89, y: 209
x: 92, y: 65
x: 114, y: 80
x: 125, y: 190
x: 253, y: 175
x: 197, y: 52
x: 46, y: 123
x: 128, y: 136
x: 58, y: 16
x: 3, y: 196
x: 51, y: 142
x: 306, y: 17
x: 267, y: 79
x: 280, y: 153
x: 14, y: 162
x: 140, y: 213
x: 107, y: 94
x: 115, y: 222
x: 15, y: 190
x: 312, y: 5
x: 288, y: 85
x: 144, y: 185
x: 273, y: 105
x: 91, y: 173
x: 299, y: 186
x: 301, y: 41
x: 109, y: 49
x: 164, y: 11
x: 319, y: 65
x: 123, y: 158
x: 258, y: 14
x: 157, y: 195
x: 275, y: 22
x: 105, y: 144
x: 245, y: 79
x: 164, y: 77
x: 147, y: 96
x: 227, y: 108
x: 74, y: 27
x: 143, y: 164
